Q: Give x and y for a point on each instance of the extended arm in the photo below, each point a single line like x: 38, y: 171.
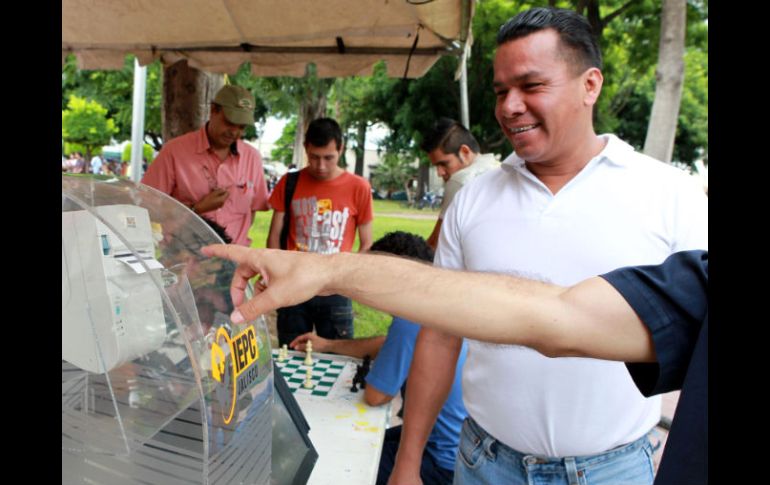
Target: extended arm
x: 359, y: 347
x: 589, y: 319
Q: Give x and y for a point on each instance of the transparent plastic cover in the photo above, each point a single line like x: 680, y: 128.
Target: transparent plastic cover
x: 158, y: 386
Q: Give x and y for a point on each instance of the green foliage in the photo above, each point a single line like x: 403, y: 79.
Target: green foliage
x: 147, y: 152
x: 284, y: 146
x: 115, y: 90
x: 77, y: 147
x: 630, y: 49
x: 392, y: 173
x: 86, y: 123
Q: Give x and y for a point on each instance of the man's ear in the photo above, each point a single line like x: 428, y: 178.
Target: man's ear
x: 592, y: 83
x: 466, y: 154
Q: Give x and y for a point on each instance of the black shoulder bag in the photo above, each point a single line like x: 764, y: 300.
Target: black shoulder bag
x: 291, y: 184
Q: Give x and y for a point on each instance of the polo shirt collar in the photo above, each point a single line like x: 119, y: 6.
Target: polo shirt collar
x: 615, y: 152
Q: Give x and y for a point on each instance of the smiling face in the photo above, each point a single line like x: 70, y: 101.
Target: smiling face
x: 544, y: 106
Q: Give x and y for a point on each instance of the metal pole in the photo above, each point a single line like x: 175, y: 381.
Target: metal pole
x: 137, y: 123
x: 464, y: 116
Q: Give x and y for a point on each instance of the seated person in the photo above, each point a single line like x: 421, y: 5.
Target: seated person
x: 389, y: 371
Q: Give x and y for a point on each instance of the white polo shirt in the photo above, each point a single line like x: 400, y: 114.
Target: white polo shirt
x: 622, y: 209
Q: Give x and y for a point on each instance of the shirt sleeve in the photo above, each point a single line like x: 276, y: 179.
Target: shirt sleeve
x: 391, y: 367
x: 449, y: 253
x: 690, y: 210
x: 672, y: 301
x: 161, y: 174
x: 450, y: 190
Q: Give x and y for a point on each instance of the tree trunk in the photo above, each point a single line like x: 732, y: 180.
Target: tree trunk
x: 423, y: 179
x: 361, y: 147
x: 669, y: 76
x: 310, y: 108
x: 187, y: 96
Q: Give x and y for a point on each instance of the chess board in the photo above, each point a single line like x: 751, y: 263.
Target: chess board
x: 324, y: 375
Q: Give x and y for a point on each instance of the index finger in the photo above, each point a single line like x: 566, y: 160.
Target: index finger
x: 233, y: 252
x: 243, y: 273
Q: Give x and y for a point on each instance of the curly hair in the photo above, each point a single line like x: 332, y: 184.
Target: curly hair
x: 402, y: 243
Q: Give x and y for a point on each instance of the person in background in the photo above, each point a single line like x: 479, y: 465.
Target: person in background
x: 212, y: 171
x: 454, y: 152
x: 327, y: 207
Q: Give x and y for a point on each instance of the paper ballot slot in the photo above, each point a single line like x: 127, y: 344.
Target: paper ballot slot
x: 111, y: 309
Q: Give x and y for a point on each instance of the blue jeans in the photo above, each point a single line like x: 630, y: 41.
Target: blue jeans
x: 484, y: 460
x: 430, y: 471
x: 332, y: 316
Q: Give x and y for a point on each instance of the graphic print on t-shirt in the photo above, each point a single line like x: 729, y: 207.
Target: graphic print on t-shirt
x: 318, y: 227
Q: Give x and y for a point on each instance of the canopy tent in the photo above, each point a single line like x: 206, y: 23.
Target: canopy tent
x: 279, y: 38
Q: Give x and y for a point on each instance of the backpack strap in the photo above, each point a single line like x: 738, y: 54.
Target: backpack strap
x: 291, y: 185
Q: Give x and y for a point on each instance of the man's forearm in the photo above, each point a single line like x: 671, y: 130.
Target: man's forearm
x: 589, y: 319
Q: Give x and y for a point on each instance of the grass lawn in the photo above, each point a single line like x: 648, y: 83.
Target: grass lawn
x: 368, y: 322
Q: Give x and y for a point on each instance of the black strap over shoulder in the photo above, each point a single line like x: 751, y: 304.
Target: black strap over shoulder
x: 291, y: 185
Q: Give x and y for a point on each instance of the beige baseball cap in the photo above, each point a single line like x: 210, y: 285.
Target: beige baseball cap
x: 237, y: 103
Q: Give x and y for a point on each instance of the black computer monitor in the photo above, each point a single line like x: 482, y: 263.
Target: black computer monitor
x: 294, y: 455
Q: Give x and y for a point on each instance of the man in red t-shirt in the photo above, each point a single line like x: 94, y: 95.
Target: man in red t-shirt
x: 327, y: 207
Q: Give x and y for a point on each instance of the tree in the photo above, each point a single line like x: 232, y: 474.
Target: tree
x: 305, y: 98
x: 393, y: 173
x: 147, y: 153
x: 114, y: 90
x: 86, y: 123
x: 669, y: 76
x: 284, y: 146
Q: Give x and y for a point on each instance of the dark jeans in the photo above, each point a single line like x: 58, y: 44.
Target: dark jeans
x: 430, y: 472
x: 332, y: 316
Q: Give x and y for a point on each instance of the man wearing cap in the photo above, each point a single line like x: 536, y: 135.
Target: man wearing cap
x: 212, y: 171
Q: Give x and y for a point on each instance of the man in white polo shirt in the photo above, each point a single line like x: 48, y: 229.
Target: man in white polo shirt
x: 567, y: 205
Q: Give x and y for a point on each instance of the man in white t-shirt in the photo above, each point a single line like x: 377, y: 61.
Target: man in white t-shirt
x: 454, y: 152
x: 567, y: 205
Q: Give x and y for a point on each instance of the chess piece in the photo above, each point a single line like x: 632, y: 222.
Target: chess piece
x: 361, y: 371
x: 308, y: 384
x: 308, y: 352
x: 283, y: 353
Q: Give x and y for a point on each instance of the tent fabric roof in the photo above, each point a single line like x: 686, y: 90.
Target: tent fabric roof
x: 342, y: 37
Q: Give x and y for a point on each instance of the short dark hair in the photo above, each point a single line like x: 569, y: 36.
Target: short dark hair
x: 219, y: 230
x: 449, y: 135
x: 323, y: 130
x: 403, y: 243
x: 574, y: 31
